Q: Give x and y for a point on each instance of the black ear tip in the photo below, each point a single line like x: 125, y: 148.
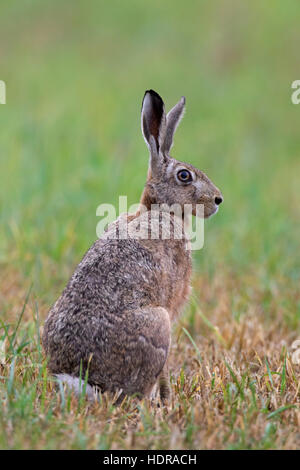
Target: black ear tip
x: 153, y: 94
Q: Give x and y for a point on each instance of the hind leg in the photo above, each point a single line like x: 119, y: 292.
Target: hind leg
x: 135, y: 352
x: 164, y: 385
x: 149, y: 350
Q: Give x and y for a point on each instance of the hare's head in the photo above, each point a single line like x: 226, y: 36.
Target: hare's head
x: 171, y: 181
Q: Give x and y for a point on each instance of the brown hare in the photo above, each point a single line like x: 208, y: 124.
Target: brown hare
x: 114, y: 317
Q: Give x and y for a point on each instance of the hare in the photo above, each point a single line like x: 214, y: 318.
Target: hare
x: 114, y: 317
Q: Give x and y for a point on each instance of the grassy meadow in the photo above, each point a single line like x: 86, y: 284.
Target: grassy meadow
x: 70, y: 139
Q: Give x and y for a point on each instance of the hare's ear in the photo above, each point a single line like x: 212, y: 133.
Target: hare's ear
x: 173, y: 119
x: 154, y: 125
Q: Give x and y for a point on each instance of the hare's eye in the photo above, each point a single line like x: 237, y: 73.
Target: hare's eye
x: 184, y: 176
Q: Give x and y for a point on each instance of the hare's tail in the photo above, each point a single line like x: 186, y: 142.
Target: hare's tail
x: 78, y: 387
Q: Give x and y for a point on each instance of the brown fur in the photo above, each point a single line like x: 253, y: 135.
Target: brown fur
x: 114, y: 316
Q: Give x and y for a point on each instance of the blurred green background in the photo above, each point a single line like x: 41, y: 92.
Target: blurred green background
x: 70, y: 134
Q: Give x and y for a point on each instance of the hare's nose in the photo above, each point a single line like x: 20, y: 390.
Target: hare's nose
x: 218, y: 200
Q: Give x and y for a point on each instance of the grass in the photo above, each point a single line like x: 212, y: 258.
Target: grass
x: 70, y: 140
x: 236, y: 388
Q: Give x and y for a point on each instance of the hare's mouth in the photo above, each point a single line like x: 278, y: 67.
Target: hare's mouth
x: 209, y: 212
x: 218, y: 200
x: 215, y: 211
x: 205, y: 212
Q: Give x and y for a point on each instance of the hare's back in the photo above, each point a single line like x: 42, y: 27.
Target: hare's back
x: 116, y: 273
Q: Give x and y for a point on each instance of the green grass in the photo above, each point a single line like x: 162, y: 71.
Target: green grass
x: 70, y: 139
